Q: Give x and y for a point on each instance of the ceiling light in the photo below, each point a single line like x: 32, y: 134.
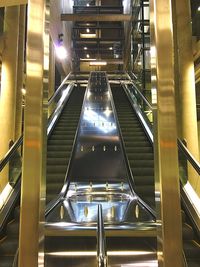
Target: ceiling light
x: 61, y: 52
x: 198, y: 8
x: 87, y: 56
x: 87, y: 30
x: 85, y: 48
x: 88, y: 5
x: 88, y: 35
x: 111, y: 48
x: 98, y: 63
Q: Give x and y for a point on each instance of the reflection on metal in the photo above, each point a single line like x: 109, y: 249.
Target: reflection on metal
x: 5, y: 3
x: 33, y: 174
x: 101, y: 241
x: 166, y: 158
x: 62, y: 212
x: 186, y: 94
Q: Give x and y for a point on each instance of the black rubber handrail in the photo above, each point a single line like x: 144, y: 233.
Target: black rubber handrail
x: 11, y: 152
x: 58, y: 90
x: 101, y: 240
x: 195, y: 164
x: 19, y: 141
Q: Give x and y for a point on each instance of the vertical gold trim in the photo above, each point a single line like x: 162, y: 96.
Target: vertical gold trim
x: 166, y: 158
x: 31, y: 252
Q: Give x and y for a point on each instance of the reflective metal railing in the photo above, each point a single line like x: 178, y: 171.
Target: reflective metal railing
x: 186, y: 159
x: 101, y: 241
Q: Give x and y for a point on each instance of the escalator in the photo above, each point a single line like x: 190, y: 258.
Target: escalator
x: 140, y: 155
x: 98, y: 176
x: 58, y: 154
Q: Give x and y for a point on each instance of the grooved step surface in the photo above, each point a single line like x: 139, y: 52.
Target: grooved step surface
x: 58, y: 154
x: 140, y: 155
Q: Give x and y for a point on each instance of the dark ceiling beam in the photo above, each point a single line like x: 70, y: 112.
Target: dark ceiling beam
x: 95, y: 17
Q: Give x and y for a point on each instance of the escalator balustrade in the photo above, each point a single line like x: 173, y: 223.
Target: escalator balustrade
x: 140, y: 154
x: 58, y: 154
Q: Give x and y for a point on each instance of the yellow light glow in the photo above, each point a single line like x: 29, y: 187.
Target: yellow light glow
x: 23, y: 91
x: 98, y: 63
x: 87, y: 56
x: 88, y: 35
x: 94, y: 253
x: 87, y: 30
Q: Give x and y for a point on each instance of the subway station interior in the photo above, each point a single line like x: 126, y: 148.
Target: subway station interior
x: 99, y: 133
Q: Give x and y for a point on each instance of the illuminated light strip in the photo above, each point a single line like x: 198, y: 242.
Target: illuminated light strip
x: 5, y: 195
x: 98, y: 63
x: 94, y: 253
x: 88, y: 35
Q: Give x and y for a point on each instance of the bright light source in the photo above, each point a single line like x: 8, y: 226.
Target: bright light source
x: 87, y: 56
x: 87, y: 30
x: 85, y: 48
x: 98, y: 63
x: 23, y: 91
x: 88, y: 35
x: 61, y: 52
x: 88, y: 5
x: 111, y: 48
x: 198, y: 8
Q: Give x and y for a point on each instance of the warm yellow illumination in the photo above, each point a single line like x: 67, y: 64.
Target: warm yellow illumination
x: 94, y: 253
x: 86, y: 59
x: 98, y: 63
x: 87, y: 56
x: 23, y: 91
x: 87, y: 30
x: 5, y: 195
x: 88, y: 35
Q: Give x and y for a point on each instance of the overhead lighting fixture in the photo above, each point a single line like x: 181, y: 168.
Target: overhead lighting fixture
x: 111, y: 48
x: 87, y: 56
x: 88, y: 5
x: 85, y: 48
x: 87, y: 30
x: 98, y: 63
x: 61, y: 52
x: 198, y: 9
x: 88, y: 35
x: 87, y: 59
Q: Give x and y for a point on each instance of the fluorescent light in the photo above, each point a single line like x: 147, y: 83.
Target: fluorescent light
x: 88, y: 35
x: 98, y: 63
x: 61, y: 52
x: 86, y: 59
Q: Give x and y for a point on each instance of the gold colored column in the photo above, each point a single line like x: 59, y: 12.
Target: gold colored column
x: 8, y: 83
x: 165, y: 137
x: 186, y: 96
x: 31, y: 251
x: 20, y: 73
x: 51, y: 75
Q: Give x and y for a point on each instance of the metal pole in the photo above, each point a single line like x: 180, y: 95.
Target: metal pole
x: 166, y: 156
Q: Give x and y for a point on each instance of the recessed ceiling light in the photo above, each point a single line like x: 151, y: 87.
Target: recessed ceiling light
x: 87, y: 55
x: 85, y: 48
x: 111, y: 48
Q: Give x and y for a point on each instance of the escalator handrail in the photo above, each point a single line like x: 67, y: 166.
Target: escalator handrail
x: 58, y: 90
x: 131, y: 178
x: 11, y: 152
x: 195, y: 164
x: 101, y: 241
